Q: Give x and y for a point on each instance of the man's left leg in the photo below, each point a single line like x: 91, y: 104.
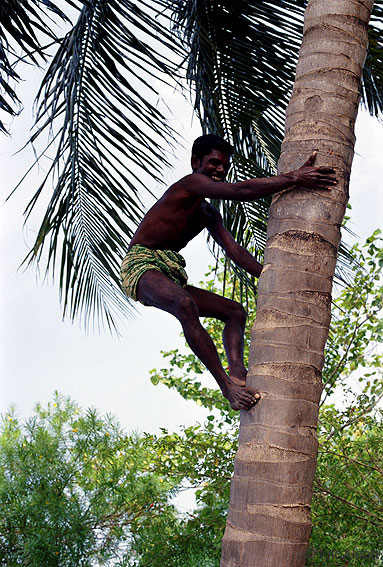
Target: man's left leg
x: 234, y: 316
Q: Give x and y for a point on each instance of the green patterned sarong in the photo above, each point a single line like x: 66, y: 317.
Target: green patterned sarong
x: 140, y: 259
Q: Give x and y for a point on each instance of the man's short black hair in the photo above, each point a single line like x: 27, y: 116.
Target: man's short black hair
x: 208, y: 142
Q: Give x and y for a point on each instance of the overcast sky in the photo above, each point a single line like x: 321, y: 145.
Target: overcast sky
x: 40, y: 353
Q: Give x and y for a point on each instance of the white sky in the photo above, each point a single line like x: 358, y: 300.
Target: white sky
x: 40, y: 353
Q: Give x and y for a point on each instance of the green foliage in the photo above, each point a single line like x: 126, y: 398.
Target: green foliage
x: 73, y: 488
x: 76, y: 491
x: 199, y: 458
x: 357, y: 330
x: 348, y: 497
x: 188, y: 543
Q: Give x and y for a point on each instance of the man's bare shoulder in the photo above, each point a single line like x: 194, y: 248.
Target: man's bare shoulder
x: 183, y: 189
x: 191, y: 182
x: 180, y: 197
x: 203, y: 186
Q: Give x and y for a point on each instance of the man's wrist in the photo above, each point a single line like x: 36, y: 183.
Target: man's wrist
x: 289, y: 178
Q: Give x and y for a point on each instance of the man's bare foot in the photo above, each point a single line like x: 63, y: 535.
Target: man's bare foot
x: 240, y: 397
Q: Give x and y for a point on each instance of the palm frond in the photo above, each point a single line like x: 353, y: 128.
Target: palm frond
x: 372, y: 85
x: 241, y: 65
x: 108, y: 138
x: 23, y: 24
x: 98, y: 105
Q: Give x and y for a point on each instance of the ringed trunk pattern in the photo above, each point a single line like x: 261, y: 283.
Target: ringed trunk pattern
x: 269, y: 519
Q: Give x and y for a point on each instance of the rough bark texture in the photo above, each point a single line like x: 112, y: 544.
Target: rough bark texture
x: 269, y: 520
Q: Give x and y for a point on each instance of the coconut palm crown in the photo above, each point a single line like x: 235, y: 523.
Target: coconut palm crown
x: 101, y: 121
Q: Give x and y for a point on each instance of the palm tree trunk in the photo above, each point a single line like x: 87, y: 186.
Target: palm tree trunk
x: 269, y: 519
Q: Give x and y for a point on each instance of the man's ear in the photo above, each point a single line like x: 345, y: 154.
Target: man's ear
x: 195, y: 162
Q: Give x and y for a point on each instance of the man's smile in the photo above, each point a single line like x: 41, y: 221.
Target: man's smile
x: 216, y: 177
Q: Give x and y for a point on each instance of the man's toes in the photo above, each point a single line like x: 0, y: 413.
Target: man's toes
x: 254, y: 400
x: 248, y: 396
x: 249, y: 401
x: 255, y: 395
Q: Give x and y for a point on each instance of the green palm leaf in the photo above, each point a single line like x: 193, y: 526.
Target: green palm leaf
x: 242, y: 61
x: 241, y: 65
x: 372, y: 85
x: 23, y: 25
x: 106, y: 134
x: 94, y: 103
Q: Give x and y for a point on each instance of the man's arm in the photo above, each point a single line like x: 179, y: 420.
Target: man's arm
x: 234, y: 251
x: 306, y: 176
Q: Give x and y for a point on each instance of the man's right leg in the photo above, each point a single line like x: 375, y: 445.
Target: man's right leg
x: 234, y: 316
x: 157, y: 290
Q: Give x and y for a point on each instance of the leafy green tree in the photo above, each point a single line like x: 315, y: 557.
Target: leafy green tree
x: 73, y: 488
x: 348, y: 503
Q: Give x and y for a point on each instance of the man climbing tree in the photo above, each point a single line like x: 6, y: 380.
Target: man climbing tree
x: 153, y: 270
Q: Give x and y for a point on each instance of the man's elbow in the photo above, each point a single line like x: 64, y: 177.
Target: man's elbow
x: 259, y: 269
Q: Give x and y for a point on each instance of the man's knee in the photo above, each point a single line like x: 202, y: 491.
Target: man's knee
x: 186, y: 307
x: 238, y: 312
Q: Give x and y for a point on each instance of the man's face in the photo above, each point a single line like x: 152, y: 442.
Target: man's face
x: 215, y: 165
